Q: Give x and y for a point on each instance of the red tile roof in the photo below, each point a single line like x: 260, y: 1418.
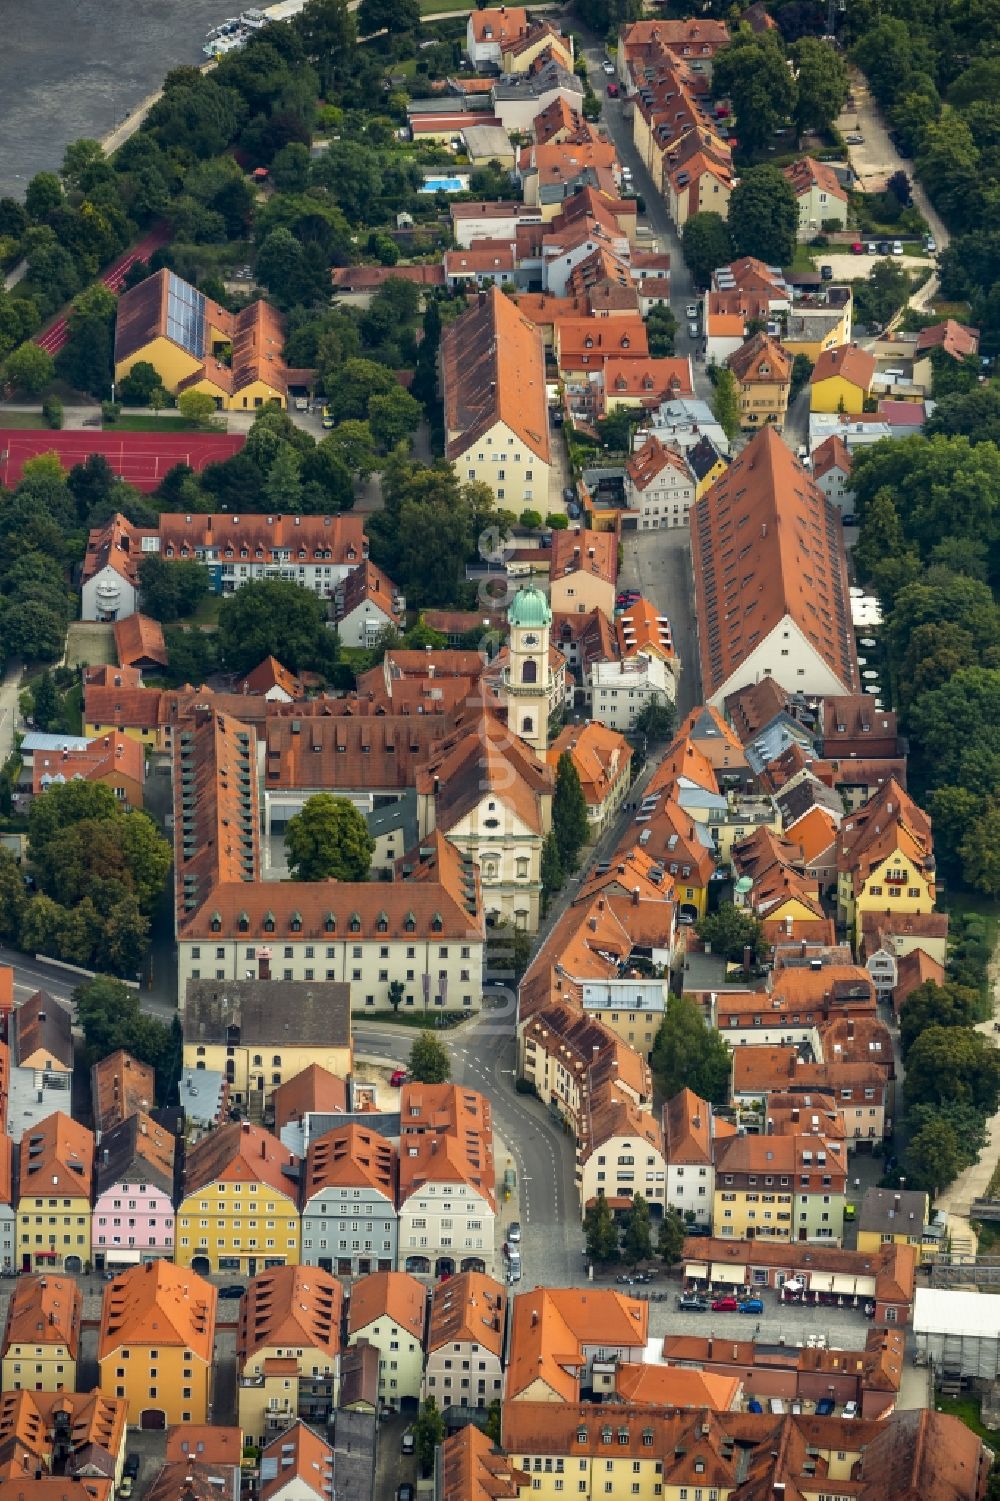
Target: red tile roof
x: 493, y: 364
x: 849, y: 361
x: 138, y: 638
x: 795, y: 566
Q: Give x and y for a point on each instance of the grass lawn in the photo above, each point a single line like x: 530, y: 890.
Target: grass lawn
x: 968, y: 903
x: 207, y: 612
x: 804, y: 258
x: 21, y: 419
x: 418, y: 1019
x: 967, y: 1408
x: 436, y: 7
x: 73, y: 709
x: 146, y: 422
x: 960, y: 311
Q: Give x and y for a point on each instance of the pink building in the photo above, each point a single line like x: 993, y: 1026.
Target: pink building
x: 134, y: 1211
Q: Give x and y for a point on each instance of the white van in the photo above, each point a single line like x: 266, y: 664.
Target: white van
x: 777, y: 1405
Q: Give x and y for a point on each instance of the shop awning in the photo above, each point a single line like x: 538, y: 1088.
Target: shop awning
x: 696, y: 1269
x: 119, y: 1256
x: 821, y: 1282
x: 842, y: 1283
x: 732, y: 1276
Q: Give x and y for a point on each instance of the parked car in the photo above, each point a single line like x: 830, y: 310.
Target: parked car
x: 824, y: 1407
x: 855, y: 139
x: 857, y: 248
x: 725, y: 1305
x: 693, y: 331
x: 754, y: 1406
x: 850, y: 1410
x: 408, y: 1443
x: 327, y: 418
x: 569, y: 493
x: 625, y: 1279
x: 884, y: 247
x: 850, y: 519
x: 692, y: 1303
x: 514, y: 1232
x: 125, y: 1489
x: 397, y: 1078
x: 826, y: 272
x: 752, y: 1305
x: 131, y: 1465
x: 608, y: 67
x: 930, y: 245
x: 897, y: 247
x: 234, y: 1290
x: 612, y: 91
x: 872, y: 248
x: 693, y: 310
x: 404, y: 1492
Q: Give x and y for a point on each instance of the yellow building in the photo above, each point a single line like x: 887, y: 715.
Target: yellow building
x: 707, y: 465
x: 56, y: 1177
x: 763, y: 374
x: 194, y: 344
x: 892, y: 1216
x: 240, y: 1210
x: 239, y: 1029
x: 885, y: 859
x: 156, y: 1343
x: 388, y: 1310
x: 519, y: 53
x: 841, y: 380
x: 41, y: 1339
x: 811, y: 331
x: 288, y: 1350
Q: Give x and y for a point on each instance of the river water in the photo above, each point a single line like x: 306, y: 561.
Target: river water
x: 71, y: 68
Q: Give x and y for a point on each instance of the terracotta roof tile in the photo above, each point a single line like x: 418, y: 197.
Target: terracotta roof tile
x: 44, y: 1311
x: 551, y: 1327
x: 159, y: 1304
x: 396, y: 1295
x: 493, y: 367
x: 296, y: 1306
x: 956, y: 339
x: 138, y: 638
x: 796, y: 567
x: 601, y: 756
x: 315, y: 1089
x: 761, y: 359
x: 469, y: 1308
x: 849, y: 361
x: 807, y: 173
x: 351, y: 1156
x: 57, y: 1156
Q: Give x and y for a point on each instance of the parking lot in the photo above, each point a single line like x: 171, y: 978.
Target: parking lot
x: 851, y: 267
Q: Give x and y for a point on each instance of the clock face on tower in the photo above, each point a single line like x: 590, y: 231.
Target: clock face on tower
x: 530, y: 639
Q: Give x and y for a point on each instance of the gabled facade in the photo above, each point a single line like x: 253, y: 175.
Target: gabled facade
x: 239, y: 1210
x: 821, y: 199
x: 349, y: 1217
x: 56, y: 1170
x: 156, y: 1344
x: 287, y: 1350
x: 134, y: 1208
x: 447, y: 1183
x: 388, y: 1310
x: 41, y: 1339
x: 841, y: 380
x: 465, y: 1340
x: 659, y: 486
x: 763, y: 374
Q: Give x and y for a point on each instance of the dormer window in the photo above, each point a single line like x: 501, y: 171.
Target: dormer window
x: 216, y: 923
x: 268, y: 922
x: 382, y: 923
x: 437, y: 925
x: 355, y: 923
x: 410, y: 924
x: 244, y: 922
x: 295, y: 922
x: 330, y: 923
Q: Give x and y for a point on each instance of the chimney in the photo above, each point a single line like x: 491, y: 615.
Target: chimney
x: 635, y: 896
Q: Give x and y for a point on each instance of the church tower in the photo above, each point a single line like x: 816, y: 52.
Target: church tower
x: 527, y: 678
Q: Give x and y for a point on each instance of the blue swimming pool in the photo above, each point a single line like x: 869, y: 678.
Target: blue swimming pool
x: 445, y: 185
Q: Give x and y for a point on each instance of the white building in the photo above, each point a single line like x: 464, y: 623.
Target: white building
x: 465, y: 1339
x: 659, y: 486
x: 819, y: 194
x: 447, y: 1185
x: 688, y: 1132
x: 388, y: 1309
x: 620, y: 690
x: 620, y: 1152
x: 777, y: 603
x: 487, y: 30
x: 368, y: 603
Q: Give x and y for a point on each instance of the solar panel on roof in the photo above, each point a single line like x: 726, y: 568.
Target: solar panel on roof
x: 186, y: 316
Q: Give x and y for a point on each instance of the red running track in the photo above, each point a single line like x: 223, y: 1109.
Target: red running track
x: 55, y: 336
x: 142, y: 459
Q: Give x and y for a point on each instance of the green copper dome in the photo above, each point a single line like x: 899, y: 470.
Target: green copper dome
x: 529, y: 607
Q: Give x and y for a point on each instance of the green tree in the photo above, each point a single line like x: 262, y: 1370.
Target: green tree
x: 931, y: 1005
x: 429, y: 1061
x: 13, y: 897
x: 492, y: 1428
x: 600, y: 1231
x: 802, y: 369
x: 108, y: 1013
x: 638, y: 1242
x: 29, y: 369
x: 731, y: 931
x: 707, y: 244
x: 569, y: 812
x: 932, y: 1156
x: 393, y: 417
x: 657, y: 719
x: 764, y: 215
x: 670, y: 1241
x: 86, y: 359
x: 170, y: 589
x: 79, y: 160
x: 821, y: 80
x: 43, y: 196
x: 953, y: 1063
x: 283, y: 486
x: 357, y: 383
x: 47, y: 712
x: 661, y: 330
x: 688, y: 1054
x: 328, y: 840
x: 428, y: 1429
x: 196, y: 406
x: 552, y: 871
x: 275, y: 618
x: 726, y: 402
x: 883, y: 294
x: 752, y: 73
x: 138, y: 386
x: 980, y: 851
x: 330, y: 40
